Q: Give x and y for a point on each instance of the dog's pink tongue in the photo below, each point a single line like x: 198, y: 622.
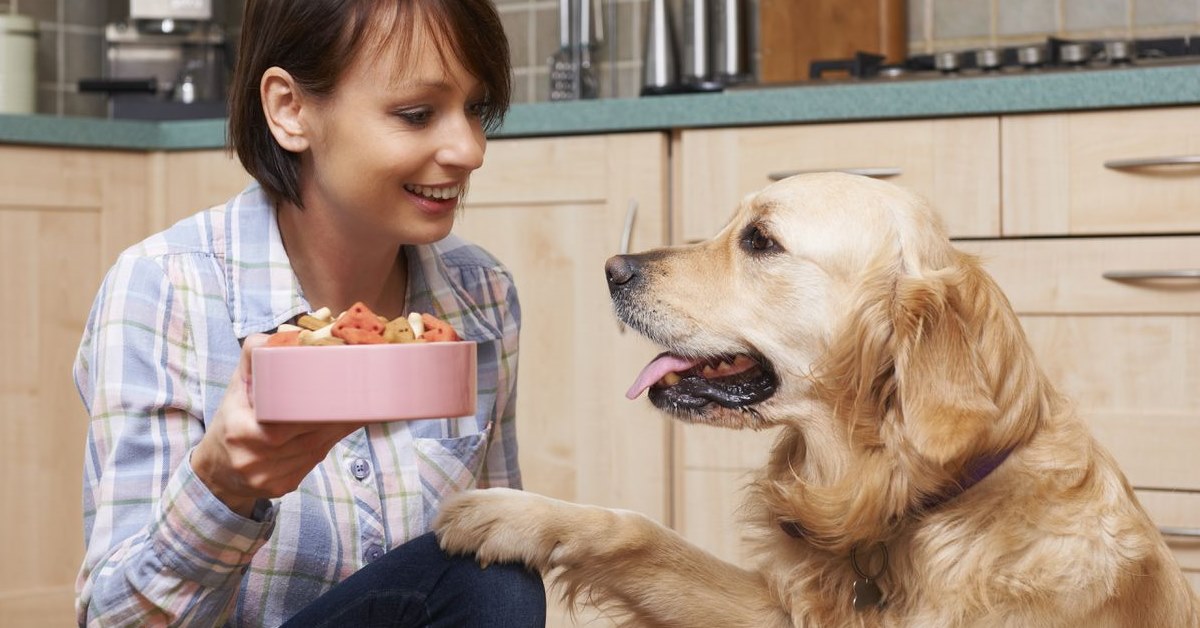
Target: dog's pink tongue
x: 656, y: 369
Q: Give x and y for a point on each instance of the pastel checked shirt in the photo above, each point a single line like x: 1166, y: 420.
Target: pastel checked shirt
x: 159, y: 348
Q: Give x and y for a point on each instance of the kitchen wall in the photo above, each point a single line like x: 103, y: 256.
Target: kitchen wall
x: 71, y: 47
x: 70, y: 44
x: 935, y: 25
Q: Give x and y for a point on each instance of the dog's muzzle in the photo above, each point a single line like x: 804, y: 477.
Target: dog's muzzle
x: 676, y: 383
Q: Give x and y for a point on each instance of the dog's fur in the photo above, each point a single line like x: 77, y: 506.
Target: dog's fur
x: 900, y: 366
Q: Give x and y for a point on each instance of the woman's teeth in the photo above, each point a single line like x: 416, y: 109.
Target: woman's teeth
x: 440, y: 194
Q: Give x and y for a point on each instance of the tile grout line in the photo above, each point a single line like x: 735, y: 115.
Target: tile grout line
x: 60, y: 67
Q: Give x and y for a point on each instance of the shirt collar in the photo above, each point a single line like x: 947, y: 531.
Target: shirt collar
x: 263, y: 290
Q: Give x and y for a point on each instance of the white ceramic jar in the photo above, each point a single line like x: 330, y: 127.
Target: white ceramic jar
x: 18, y: 64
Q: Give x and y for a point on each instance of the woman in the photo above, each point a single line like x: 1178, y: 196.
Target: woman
x: 361, y: 122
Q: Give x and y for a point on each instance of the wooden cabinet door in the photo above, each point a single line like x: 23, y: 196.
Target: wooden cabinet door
x: 193, y: 181
x: 64, y: 217
x: 955, y: 163
x: 553, y: 210
x: 1105, y: 172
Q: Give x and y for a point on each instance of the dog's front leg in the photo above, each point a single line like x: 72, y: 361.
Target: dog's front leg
x: 612, y: 558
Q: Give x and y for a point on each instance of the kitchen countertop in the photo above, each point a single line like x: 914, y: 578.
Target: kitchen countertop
x: 820, y: 102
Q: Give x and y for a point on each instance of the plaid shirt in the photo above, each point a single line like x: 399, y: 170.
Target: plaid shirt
x: 160, y: 346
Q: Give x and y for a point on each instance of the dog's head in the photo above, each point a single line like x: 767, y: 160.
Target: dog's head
x: 836, y: 304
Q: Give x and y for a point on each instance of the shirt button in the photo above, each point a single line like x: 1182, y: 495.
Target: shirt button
x: 360, y: 468
x: 373, y: 553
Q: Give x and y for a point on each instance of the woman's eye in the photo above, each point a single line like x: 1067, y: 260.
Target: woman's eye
x: 478, y: 109
x: 416, y: 117
x: 756, y: 241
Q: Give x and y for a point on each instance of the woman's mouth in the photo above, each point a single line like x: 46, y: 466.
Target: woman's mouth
x: 436, y: 199
x: 440, y: 193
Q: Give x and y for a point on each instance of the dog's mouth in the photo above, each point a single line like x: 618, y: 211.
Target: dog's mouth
x: 679, y: 383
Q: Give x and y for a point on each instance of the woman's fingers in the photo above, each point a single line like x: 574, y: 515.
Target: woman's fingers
x: 245, y: 366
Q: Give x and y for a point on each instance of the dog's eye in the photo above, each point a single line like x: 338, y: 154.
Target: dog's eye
x: 755, y: 241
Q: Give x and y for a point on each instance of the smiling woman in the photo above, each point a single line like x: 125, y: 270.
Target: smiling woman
x: 361, y: 122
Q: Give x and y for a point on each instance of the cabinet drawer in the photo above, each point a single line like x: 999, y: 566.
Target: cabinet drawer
x: 1068, y: 275
x: 955, y: 163
x: 1077, y: 173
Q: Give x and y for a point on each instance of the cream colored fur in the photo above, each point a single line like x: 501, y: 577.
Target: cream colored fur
x: 900, y: 364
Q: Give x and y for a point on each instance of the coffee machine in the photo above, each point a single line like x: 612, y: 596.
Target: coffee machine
x: 167, y: 61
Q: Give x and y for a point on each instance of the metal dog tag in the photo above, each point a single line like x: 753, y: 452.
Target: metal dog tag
x: 867, y: 595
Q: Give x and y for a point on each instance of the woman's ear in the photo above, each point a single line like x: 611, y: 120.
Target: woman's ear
x: 283, y: 105
x: 943, y: 393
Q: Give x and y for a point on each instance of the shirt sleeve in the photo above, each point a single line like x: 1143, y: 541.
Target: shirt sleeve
x: 500, y: 465
x: 160, y: 548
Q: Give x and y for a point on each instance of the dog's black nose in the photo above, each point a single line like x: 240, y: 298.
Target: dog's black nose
x: 620, y: 269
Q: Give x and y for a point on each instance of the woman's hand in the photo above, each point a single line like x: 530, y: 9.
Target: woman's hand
x: 242, y: 460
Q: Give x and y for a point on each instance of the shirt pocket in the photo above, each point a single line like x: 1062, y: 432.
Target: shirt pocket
x: 448, y: 465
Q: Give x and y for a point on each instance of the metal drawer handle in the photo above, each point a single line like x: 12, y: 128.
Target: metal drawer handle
x: 1191, y: 533
x: 1136, y: 275
x: 877, y: 173
x: 626, y: 238
x: 1148, y: 162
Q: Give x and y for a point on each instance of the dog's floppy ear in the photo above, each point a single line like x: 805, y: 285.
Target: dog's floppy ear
x: 942, y: 393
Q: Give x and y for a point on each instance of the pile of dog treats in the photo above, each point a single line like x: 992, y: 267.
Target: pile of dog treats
x: 360, y: 326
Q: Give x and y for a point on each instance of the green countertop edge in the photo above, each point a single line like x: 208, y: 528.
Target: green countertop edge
x: 874, y: 100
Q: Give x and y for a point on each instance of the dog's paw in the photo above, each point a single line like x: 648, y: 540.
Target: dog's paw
x: 501, y: 525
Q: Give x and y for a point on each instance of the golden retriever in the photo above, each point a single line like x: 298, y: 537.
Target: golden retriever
x: 926, y: 473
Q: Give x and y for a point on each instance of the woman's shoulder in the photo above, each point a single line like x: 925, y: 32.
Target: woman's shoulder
x: 192, y: 234
x: 472, y: 287
x: 203, y: 233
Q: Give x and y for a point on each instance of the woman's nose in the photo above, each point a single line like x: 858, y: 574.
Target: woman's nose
x: 462, y: 144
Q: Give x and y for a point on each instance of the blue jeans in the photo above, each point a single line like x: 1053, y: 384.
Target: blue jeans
x: 416, y: 584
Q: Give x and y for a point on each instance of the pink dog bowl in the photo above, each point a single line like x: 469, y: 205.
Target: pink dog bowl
x: 364, y: 383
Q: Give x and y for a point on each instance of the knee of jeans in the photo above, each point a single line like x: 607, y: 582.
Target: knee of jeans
x: 512, y: 581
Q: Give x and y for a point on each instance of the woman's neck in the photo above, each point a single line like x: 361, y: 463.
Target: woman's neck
x: 336, y: 269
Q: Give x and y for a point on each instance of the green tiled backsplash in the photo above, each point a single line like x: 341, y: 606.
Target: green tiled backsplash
x: 70, y: 42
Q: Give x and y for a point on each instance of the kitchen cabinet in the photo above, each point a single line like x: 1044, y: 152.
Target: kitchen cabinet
x: 553, y: 210
x: 1122, y: 349
x: 1121, y: 345
x: 64, y: 216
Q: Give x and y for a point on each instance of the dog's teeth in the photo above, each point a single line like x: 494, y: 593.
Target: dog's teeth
x: 670, y: 379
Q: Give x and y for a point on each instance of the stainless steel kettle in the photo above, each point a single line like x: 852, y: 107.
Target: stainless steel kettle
x: 660, y: 65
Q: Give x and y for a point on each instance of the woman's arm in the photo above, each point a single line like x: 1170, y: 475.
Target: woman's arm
x: 161, y: 549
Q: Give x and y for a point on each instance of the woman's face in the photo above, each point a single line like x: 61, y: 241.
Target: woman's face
x: 391, y: 150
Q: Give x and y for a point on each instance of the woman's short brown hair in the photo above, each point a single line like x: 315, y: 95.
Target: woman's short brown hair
x: 316, y: 40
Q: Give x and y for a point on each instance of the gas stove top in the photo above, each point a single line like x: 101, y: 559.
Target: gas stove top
x: 1055, y: 54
